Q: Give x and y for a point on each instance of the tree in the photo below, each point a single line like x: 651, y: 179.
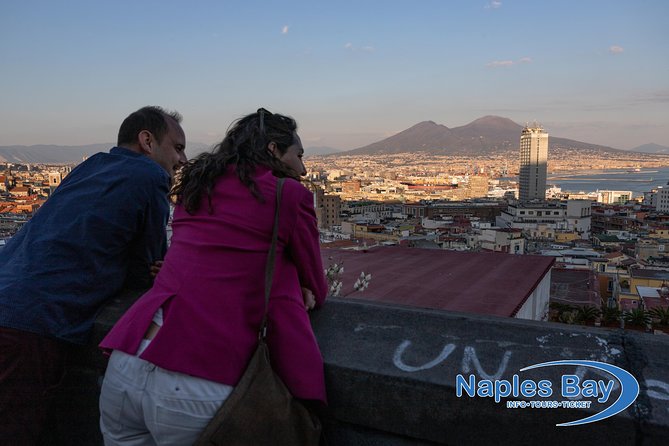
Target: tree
x: 661, y: 314
x: 562, y: 312
x: 610, y: 315
x: 586, y: 314
x: 567, y: 317
x: 638, y: 317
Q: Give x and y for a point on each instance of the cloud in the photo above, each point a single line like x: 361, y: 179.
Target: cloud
x: 653, y: 97
x: 365, y: 49
x: 284, y: 30
x: 659, y: 96
x: 508, y: 63
x: 615, y: 49
x: 493, y: 5
x: 500, y: 63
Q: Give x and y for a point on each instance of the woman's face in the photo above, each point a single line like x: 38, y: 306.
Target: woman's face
x: 293, y: 156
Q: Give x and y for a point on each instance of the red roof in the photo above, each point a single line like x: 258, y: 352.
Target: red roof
x: 484, y: 283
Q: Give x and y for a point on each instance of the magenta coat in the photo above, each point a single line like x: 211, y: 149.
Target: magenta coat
x: 212, y: 282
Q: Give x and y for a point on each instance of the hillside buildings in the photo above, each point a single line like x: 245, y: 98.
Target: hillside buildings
x: 328, y: 208
x: 614, y: 196
x: 546, y: 219
x: 23, y: 190
x: 662, y: 199
x: 436, y: 204
x: 533, y: 163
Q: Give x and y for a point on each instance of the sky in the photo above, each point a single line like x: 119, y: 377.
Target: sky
x: 350, y: 72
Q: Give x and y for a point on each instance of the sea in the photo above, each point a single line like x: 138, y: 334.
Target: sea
x: 637, y: 181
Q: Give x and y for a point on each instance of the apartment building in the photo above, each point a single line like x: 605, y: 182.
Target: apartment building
x: 533, y: 163
x: 572, y: 216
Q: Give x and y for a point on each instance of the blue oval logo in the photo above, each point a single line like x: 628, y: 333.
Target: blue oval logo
x: 629, y: 388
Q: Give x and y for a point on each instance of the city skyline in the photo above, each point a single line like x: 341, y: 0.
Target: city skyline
x: 351, y: 73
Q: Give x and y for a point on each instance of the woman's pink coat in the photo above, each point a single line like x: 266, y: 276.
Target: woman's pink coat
x: 212, y: 282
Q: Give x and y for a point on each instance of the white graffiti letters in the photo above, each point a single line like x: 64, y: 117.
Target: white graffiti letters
x: 469, y: 358
x: 397, y: 358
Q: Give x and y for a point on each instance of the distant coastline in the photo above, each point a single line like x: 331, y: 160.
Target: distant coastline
x: 591, y: 180
x: 568, y: 176
x: 569, y: 173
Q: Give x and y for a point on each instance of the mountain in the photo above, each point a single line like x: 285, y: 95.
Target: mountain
x: 315, y: 151
x: 424, y: 136
x: 53, y: 154
x: 652, y: 148
x: 486, y: 135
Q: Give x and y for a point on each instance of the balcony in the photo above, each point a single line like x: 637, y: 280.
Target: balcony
x: 391, y: 373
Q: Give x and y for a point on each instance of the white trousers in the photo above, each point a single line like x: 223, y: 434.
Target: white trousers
x: 144, y: 405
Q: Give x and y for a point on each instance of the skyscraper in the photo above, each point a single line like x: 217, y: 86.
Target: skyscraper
x: 533, y: 163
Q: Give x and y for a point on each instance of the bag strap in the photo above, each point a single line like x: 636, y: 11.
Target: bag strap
x: 271, y: 255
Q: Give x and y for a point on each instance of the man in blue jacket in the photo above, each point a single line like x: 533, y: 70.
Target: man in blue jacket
x: 99, y: 232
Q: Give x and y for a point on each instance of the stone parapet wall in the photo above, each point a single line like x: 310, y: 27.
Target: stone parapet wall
x: 391, y: 376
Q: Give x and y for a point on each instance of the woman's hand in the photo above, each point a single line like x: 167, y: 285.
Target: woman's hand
x: 309, y: 299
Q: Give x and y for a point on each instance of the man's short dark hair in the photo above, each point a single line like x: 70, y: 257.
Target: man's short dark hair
x: 151, y: 118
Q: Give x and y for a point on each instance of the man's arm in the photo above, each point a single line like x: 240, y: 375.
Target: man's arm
x: 150, y: 244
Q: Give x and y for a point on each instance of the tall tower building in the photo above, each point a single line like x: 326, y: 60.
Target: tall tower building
x: 533, y: 163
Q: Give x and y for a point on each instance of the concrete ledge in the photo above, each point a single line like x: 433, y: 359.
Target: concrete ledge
x: 391, y: 371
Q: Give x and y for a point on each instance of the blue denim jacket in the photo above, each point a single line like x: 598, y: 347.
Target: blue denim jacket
x: 98, y: 233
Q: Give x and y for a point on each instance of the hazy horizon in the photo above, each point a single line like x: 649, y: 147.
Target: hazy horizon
x: 199, y: 146
x: 351, y: 73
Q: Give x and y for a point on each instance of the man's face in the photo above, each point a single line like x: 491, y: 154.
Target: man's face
x: 170, y: 152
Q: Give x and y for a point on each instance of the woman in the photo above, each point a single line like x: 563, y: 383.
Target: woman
x: 180, y: 349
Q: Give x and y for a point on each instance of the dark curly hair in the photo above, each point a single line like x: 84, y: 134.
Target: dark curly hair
x: 245, y: 145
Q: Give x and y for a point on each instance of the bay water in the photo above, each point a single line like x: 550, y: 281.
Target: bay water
x: 638, y: 182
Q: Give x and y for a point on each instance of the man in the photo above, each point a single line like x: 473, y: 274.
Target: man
x: 101, y: 231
